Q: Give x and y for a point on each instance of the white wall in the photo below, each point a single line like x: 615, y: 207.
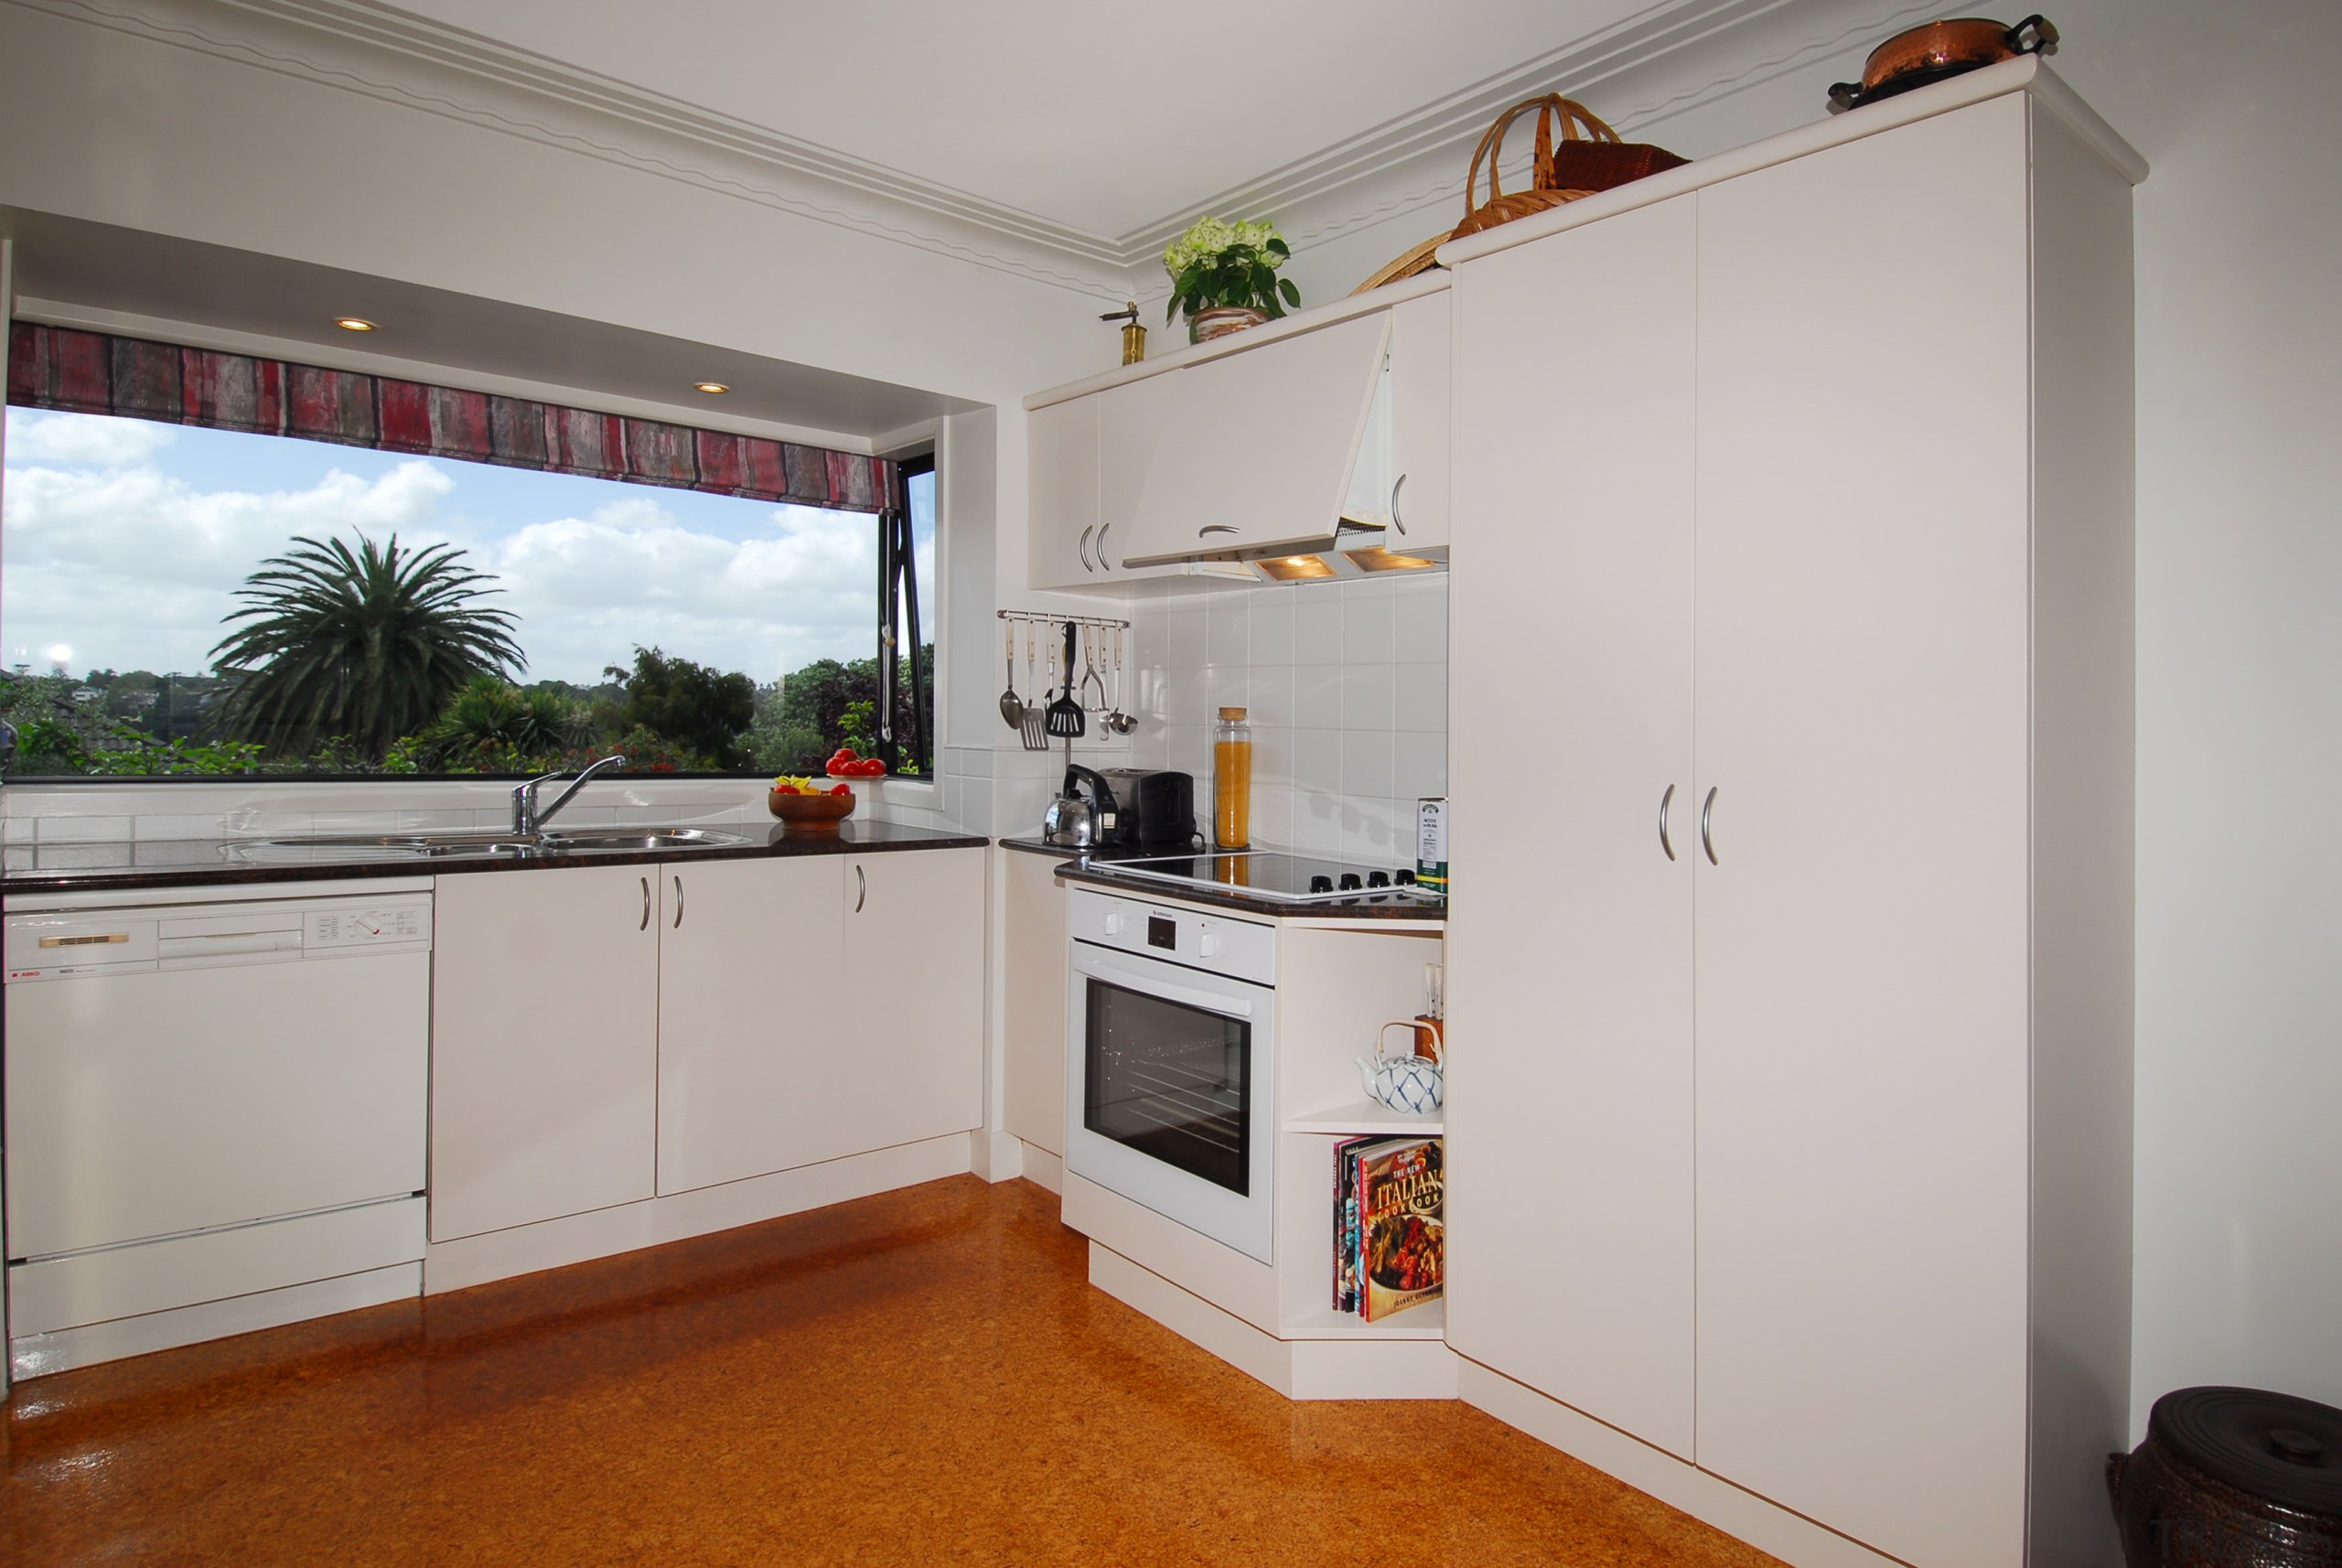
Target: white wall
x: 2239, y: 1214
x: 1346, y: 687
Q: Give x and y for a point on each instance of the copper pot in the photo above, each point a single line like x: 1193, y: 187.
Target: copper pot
x: 1921, y: 55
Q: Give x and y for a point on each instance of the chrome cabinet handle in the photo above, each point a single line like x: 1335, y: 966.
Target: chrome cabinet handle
x: 1215, y: 528
x: 1081, y: 547
x: 646, y: 905
x: 678, y: 902
x: 1664, y: 801
x: 862, y: 888
x: 1103, y: 564
x: 1707, y: 808
x: 1399, y: 524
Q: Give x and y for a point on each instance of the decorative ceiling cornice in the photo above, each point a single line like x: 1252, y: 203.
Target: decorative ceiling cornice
x: 360, y: 46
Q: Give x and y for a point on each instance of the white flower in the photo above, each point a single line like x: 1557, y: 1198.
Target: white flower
x: 1209, y: 237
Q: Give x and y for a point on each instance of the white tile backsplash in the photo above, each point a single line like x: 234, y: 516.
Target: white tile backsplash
x: 1346, y: 687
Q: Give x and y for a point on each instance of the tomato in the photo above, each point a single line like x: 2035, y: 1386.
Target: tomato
x: 842, y: 790
x: 872, y: 768
x: 842, y: 753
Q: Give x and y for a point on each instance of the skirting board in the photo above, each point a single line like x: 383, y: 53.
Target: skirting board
x: 1044, y: 1168
x: 37, y: 1355
x: 1792, y: 1537
x: 1297, y: 1368
x: 995, y: 1156
x: 552, y: 1244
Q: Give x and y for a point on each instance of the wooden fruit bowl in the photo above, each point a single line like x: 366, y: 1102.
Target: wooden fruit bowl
x: 810, y: 816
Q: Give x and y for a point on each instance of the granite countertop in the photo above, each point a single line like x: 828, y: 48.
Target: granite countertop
x: 191, y: 863
x: 1096, y: 870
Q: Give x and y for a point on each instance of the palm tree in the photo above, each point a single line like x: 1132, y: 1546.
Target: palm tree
x: 493, y: 720
x: 368, y: 644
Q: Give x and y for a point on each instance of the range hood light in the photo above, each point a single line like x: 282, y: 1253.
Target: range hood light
x: 353, y: 324
x: 1293, y: 568
x: 1376, y: 559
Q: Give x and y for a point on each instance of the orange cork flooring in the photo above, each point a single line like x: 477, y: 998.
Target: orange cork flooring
x: 921, y: 1378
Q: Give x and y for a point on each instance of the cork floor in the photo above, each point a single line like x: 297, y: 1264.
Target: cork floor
x: 924, y: 1377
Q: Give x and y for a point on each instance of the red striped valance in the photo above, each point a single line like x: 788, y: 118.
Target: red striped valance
x: 95, y: 372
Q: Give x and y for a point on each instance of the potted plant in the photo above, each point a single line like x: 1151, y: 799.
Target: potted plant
x: 1225, y: 277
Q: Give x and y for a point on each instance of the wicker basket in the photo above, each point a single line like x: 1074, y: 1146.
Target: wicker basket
x: 1500, y: 208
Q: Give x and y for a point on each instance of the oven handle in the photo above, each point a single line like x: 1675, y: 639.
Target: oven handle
x: 1146, y: 980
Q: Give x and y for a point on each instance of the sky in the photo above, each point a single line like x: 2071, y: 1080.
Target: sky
x: 122, y: 542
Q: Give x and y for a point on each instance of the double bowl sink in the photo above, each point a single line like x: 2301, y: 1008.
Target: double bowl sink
x: 475, y: 845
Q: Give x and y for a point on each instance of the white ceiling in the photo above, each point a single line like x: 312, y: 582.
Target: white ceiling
x: 1102, y: 116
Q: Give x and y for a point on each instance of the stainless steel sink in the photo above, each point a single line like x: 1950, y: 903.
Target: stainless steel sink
x: 349, y: 848
x: 638, y: 841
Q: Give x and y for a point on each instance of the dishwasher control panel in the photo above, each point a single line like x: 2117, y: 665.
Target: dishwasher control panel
x: 368, y: 926
x: 206, y: 936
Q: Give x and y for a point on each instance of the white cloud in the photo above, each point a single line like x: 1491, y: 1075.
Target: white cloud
x: 136, y: 569
x: 37, y: 437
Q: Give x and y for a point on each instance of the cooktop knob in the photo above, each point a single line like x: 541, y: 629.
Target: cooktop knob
x: 1349, y: 881
x: 1321, y: 885
x: 1378, y: 879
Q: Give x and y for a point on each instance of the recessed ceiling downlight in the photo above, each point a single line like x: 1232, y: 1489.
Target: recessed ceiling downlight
x: 353, y: 324
x: 711, y: 387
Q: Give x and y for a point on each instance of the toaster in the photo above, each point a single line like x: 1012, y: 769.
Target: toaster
x: 1154, y: 808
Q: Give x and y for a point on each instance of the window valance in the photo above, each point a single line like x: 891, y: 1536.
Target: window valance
x: 97, y: 372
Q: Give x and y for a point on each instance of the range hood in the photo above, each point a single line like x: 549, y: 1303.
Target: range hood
x: 1281, y: 463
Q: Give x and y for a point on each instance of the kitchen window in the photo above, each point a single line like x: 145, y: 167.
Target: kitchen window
x: 186, y: 600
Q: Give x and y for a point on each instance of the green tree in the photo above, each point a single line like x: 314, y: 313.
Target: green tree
x: 368, y: 644
x: 491, y: 719
x: 700, y: 712
x: 827, y: 704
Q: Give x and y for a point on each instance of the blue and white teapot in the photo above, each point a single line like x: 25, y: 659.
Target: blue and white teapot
x: 1410, y: 1083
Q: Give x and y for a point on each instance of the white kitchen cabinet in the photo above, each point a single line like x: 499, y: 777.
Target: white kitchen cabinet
x: 1033, y: 930
x: 1570, y: 1201
x: 545, y: 1044
x: 1854, y: 579
x: 750, y: 1008
x: 904, y: 1056
x: 1399, y: 481
x: 1062, y: 444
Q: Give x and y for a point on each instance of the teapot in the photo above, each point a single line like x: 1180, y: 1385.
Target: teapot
x: 1411, y: 1084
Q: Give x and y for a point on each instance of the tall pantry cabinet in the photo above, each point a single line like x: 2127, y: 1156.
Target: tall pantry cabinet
x: 1790, y: 1110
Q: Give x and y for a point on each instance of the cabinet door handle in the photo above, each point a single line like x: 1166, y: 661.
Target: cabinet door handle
x: 861, y: 888
x: 646, y: 905
x: 1216, y: 528
x: 1707, y: 842
x: 1664, y: 801
x: 1081, y: 547
x: 1103, y: 564
x: 1399, y: 523
x: 678, y: 902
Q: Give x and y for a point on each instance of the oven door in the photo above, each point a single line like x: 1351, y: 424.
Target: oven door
x: 1171, y: 1091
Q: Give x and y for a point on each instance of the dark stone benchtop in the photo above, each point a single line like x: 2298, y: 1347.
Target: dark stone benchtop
x: 201, y: 862
x: 1097, y: 870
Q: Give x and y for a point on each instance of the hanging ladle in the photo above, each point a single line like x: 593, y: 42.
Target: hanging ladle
x: 1012, y: 710
x: 1118, y: 722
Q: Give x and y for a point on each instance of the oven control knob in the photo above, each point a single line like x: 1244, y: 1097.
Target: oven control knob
x: 1378, y: 879
x: 1349, y: 881
x: 1207, y: 945
x: 1113, y: 924
x: 1321, y: 885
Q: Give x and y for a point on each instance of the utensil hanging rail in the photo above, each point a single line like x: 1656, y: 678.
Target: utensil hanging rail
x: 1046, y: 618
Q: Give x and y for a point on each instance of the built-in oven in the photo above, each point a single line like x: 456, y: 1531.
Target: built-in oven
x: 1171, y: 1063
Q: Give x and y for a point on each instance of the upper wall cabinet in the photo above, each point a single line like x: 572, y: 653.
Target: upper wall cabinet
x: 1400, y: 481
x: 1265, y: 447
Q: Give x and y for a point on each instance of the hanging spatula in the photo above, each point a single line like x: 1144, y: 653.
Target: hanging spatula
x: 1066, y: 719
x: 1035, y: 719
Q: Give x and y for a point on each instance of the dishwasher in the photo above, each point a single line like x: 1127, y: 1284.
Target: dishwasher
x: 215, y: 1114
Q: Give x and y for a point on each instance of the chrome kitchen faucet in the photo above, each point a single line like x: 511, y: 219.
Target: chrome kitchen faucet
x: 528, y: 819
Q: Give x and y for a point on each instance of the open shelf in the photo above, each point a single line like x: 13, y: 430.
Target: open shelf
x: 1362, y: 1116
x: 1426, y: 1321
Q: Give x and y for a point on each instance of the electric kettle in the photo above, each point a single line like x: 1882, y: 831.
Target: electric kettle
x: 1073, y: 822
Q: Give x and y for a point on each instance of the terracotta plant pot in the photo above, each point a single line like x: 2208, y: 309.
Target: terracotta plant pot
x: 1222, y: 319
x: 810, y: 816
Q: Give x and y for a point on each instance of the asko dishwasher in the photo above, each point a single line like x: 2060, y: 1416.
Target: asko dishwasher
x: 215, y: 1114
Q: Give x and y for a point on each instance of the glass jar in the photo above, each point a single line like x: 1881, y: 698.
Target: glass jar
x: 1231, y: 780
